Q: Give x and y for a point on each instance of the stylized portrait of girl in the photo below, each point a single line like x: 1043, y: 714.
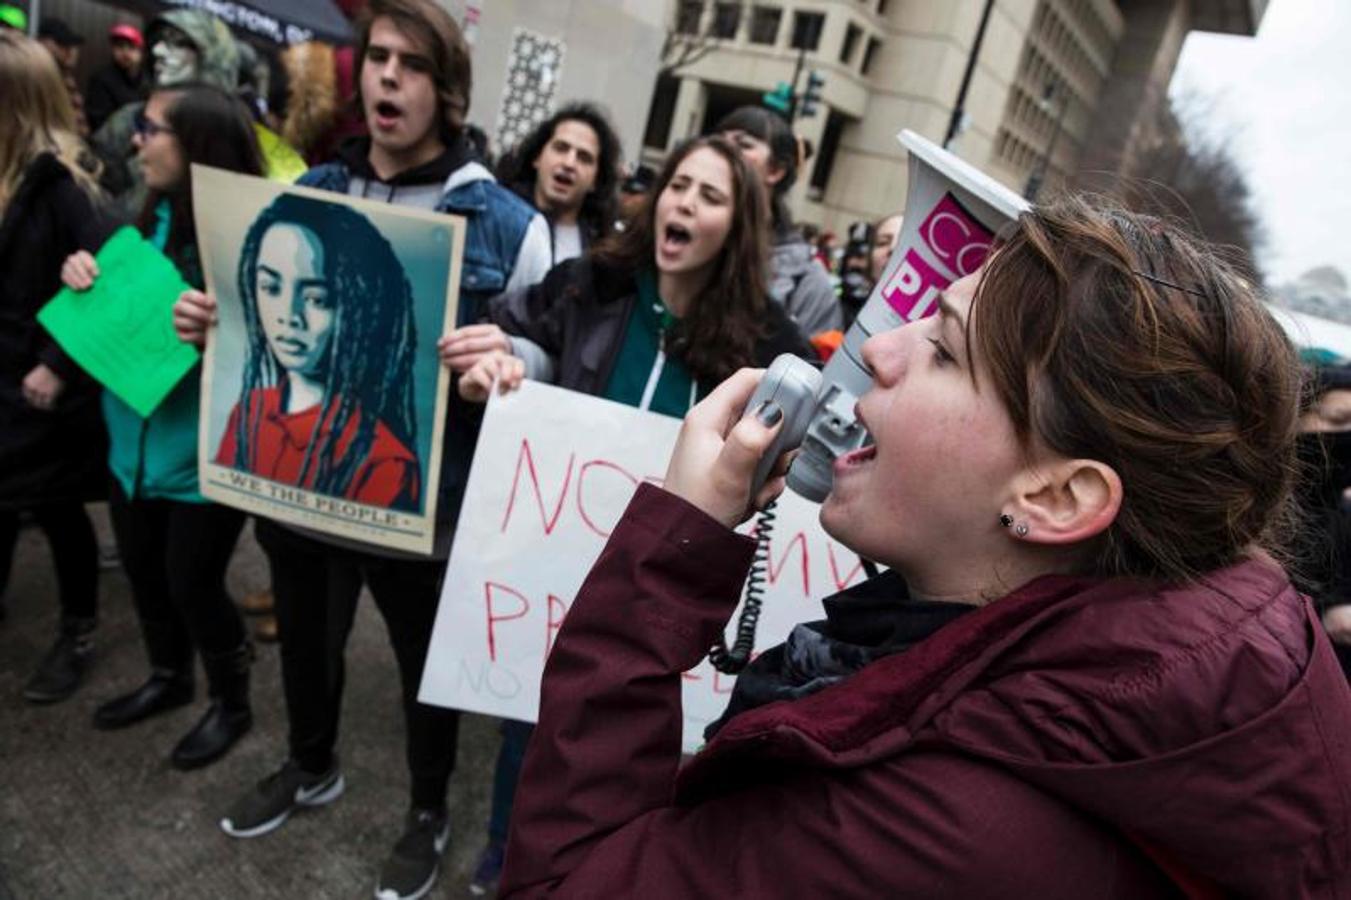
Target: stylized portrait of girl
x: 326, y: 401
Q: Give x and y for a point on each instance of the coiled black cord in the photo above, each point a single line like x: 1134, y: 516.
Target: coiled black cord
x: 732, y: 661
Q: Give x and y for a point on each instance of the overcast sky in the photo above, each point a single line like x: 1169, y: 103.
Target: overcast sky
x: 1285, y: 95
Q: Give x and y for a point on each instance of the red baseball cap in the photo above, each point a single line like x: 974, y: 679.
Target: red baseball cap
x: 128, y: 33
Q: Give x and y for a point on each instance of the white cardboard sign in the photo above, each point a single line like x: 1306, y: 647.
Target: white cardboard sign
x: 552, y: 474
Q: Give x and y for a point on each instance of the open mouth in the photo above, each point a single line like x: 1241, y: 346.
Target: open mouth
x: 387, y: 114
x: 564, y: 180
x: 860, y: 457
x: 673, y: 240
x: 863, y: 455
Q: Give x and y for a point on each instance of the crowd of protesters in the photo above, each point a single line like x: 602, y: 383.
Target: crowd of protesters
x: 1106, y: 447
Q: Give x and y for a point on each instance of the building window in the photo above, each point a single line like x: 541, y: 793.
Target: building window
x: 825, y: 159
x: 807, y: 30
x: 726, y: 20
x: 851, y: 36
x: 765, y: 24
x: 688, y: 14
x: 868, y: 54
x: 659, y: 117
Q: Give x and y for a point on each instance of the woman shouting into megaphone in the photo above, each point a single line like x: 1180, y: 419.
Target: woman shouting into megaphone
x: 1085, y: 674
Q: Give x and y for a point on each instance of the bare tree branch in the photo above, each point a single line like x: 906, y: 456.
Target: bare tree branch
x: 1191, y: 173
x: 681, y: 47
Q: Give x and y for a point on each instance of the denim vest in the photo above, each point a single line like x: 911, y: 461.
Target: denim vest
x: 496, y: 222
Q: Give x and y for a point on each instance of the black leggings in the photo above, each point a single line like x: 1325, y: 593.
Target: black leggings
x: 175, y: 555
x: 315, y: 588
x: 75, y: 554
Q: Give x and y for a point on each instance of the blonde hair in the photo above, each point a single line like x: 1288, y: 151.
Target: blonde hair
x: 37, y: 115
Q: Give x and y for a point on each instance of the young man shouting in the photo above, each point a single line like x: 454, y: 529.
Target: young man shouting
x: 414, y: 91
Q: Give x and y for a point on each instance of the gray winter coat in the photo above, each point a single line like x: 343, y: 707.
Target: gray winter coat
x: 802, y: 286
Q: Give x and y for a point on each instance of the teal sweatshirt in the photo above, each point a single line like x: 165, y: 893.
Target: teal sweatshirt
x: 156, y: 458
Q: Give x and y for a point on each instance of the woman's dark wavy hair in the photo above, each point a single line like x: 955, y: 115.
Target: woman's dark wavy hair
x: 370, y: 355
x: 775, y: 131
x: 517, y: 169
x: 1115, y: 336
x: 718, y: 334
x: 212, y: 128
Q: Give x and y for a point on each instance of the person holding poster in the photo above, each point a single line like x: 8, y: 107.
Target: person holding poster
x: 327, y: 398
x: 413, y: 88
x: 175, y: 545
x: 51, y: 434
x: 670, y: 306
x: 1085, y: 671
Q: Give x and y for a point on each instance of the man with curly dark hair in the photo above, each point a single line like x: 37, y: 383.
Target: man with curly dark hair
x: 568, y: 169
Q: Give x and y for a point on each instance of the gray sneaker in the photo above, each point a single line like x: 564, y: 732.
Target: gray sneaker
x: 412, y: 867
x: 268, y: 803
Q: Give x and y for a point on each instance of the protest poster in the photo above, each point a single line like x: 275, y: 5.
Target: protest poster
x: 323, y: 400
x: 552, y: 474
x: 121, y: 330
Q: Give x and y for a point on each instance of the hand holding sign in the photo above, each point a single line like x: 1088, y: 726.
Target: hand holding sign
x: 118, y: 328
x: 79, y: 271
x: 496, y: 367
x: 194, y: 313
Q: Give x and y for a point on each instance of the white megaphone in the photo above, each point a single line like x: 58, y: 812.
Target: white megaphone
x: 952, y: 213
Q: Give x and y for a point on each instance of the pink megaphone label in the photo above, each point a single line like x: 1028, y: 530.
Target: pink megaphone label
x: 914, y: 287
x: 956, y: 243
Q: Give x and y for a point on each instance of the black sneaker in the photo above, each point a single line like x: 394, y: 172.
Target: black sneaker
x: 268, y: 803
x: 61, y: 670
x: 412, y: 867
x: 488, y: 871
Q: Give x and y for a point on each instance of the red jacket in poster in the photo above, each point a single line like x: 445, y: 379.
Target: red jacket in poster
x: 388, y: 477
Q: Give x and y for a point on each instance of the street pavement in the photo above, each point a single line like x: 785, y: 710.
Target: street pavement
x: 87, y: 813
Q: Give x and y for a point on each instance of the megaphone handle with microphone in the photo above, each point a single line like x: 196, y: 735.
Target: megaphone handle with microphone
x: 792, y: 383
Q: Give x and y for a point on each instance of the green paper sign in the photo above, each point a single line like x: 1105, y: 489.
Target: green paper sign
x: 121, y: 330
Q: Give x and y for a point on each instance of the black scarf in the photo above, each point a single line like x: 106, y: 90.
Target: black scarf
x: 863, y: 624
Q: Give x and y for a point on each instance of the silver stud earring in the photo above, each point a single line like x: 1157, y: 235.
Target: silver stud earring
x: 1021, y: 530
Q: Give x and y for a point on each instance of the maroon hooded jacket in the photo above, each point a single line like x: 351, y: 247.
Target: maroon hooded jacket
x: 1077, y: 738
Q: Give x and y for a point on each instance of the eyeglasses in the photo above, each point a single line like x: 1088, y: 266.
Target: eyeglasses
x: 147, y: 128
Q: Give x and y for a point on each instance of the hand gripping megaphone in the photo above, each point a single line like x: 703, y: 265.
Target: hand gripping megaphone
x: 952, y: 213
